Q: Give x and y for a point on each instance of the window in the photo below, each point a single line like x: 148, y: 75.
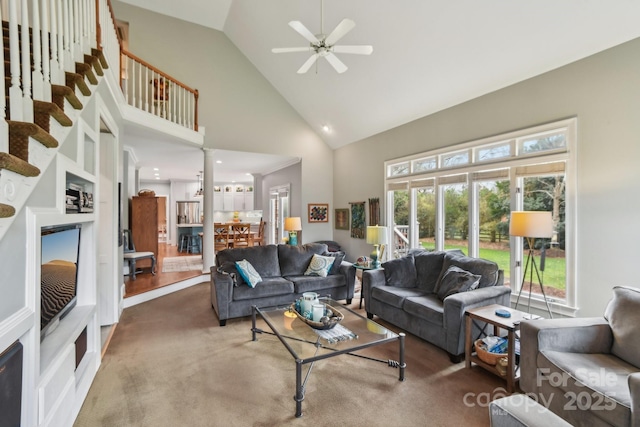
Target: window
x: 498, y: 151
x: 422, y: 165
x: 530, y: 169
x: 455, y: 159
x: 426, y: 216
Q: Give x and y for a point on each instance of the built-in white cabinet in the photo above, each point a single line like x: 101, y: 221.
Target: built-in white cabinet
x: 233, y: 197
x: 68, y: 356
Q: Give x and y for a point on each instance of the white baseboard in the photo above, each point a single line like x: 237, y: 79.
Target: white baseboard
x: 165, y: 290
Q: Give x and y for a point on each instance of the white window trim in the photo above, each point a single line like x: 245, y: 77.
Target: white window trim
x: 441, y: 174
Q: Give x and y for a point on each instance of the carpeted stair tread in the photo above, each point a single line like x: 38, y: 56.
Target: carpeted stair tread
x: 44, y: 110
x: 6, y: 211
x: 19, y: 133
x: 95, y: 62
x: 74, y: 80
x: 59, y: 93
x: 14, y: 164
x: 87, y: 71
x: 98, y: 53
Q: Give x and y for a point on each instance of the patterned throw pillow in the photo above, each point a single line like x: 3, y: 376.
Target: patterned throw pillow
x: 248, y: 273
x: 319, y: 265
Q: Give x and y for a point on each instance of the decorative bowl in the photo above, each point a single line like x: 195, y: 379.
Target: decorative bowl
x: 329, y: 322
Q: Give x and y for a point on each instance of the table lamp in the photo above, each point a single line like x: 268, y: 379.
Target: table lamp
x: 530, y: 225
x: 376, y: 236
x: 293, y: 225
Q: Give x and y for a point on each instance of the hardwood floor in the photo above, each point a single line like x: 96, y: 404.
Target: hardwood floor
x: 146, y: 281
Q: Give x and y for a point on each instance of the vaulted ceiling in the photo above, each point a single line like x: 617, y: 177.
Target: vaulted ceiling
x: 428, y: 55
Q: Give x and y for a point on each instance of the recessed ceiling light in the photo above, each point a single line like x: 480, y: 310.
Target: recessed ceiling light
x: 218, y: 161
x: 156, y: 169
x: 248, y: 174
x: 157, y: 177
x: 326, y: 128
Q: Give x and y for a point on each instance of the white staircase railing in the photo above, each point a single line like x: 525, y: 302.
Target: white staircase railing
x: 149, y: 89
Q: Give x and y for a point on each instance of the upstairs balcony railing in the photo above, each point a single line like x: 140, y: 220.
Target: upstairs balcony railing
x: 149, y: 89
x: 54, y: 35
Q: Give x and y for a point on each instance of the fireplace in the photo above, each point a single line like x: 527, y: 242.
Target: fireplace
x: 11, y: 385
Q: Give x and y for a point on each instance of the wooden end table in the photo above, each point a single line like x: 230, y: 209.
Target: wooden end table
x: 359, y: 270
x: 510, y: 324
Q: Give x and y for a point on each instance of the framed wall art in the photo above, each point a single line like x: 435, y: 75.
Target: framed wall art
x: 342, y: 219
x: 358, y: 224
x: 318, y: 212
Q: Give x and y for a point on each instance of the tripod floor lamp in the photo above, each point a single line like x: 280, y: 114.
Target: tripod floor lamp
x: 532, y: 225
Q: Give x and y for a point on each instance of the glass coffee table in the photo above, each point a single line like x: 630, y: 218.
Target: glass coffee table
x: 306, y: 345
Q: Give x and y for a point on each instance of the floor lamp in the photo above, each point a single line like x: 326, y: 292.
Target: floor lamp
x: 532, y: 225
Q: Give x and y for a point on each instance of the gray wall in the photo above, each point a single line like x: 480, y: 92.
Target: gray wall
x: 603, y: 92
x: 289, y: 175
x: 238, y: 107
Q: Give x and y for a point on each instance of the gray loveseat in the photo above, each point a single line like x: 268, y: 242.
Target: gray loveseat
x: 587, y: 370
x: 282, y: 269
x: 427, y: 294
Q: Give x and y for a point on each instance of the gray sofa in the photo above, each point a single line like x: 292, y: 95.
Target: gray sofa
x: 415, y: 293
x: 282, y: 269
x: 587, y: 370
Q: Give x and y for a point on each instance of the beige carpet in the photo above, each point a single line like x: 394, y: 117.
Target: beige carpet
x: 170, y: 364
x: 182, y: 263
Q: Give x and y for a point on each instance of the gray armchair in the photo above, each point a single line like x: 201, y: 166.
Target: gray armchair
x: 587, y: 370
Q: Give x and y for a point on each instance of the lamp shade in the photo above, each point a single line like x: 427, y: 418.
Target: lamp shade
x: 531, y: 224
x: 292, y: 223
x: 376, y: 235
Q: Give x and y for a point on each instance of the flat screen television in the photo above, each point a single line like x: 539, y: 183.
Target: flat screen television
x: 60, y: 246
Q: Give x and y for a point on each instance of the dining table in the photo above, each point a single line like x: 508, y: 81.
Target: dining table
x: 252, y: 234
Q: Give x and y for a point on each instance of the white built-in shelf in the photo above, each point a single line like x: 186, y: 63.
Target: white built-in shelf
x: 64, y: 334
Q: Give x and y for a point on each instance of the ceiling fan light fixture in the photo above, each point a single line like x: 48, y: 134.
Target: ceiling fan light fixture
x: 325, y: 46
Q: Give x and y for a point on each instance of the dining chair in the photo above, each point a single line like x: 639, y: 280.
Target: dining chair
x: 132, y: 256
x: 258, y: 240
x: 241, y: 235
x: 221, y: 237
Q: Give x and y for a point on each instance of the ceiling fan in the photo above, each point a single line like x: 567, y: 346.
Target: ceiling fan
x: 324, y: 46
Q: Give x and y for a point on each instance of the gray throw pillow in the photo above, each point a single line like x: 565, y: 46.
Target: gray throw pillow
x: 623, y: 315
x: 229, y: 268
x: 400, y: 272
x: 456, y: 280
x: 483, y: 267
x: 428, y: 268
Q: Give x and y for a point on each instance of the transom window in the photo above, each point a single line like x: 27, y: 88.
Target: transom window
x: 461, y: 198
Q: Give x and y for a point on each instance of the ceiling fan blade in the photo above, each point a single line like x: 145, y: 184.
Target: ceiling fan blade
x: 336, y: 63
x: 304, y: 32
x: 290, y: 49
x: 340, y: 31
x: 305, y: 67
x: 359, y: 50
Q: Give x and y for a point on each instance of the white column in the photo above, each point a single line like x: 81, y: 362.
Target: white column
x: 207, y: 201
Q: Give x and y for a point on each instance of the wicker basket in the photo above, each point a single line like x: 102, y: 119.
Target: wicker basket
x: 146, y: 193
x: 485, y: 356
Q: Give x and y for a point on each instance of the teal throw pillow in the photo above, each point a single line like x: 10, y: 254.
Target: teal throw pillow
x: 248, y: 273
x: 319, y: 265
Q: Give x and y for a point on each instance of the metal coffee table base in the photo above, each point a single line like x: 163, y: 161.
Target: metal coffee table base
x: 300, y: 383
